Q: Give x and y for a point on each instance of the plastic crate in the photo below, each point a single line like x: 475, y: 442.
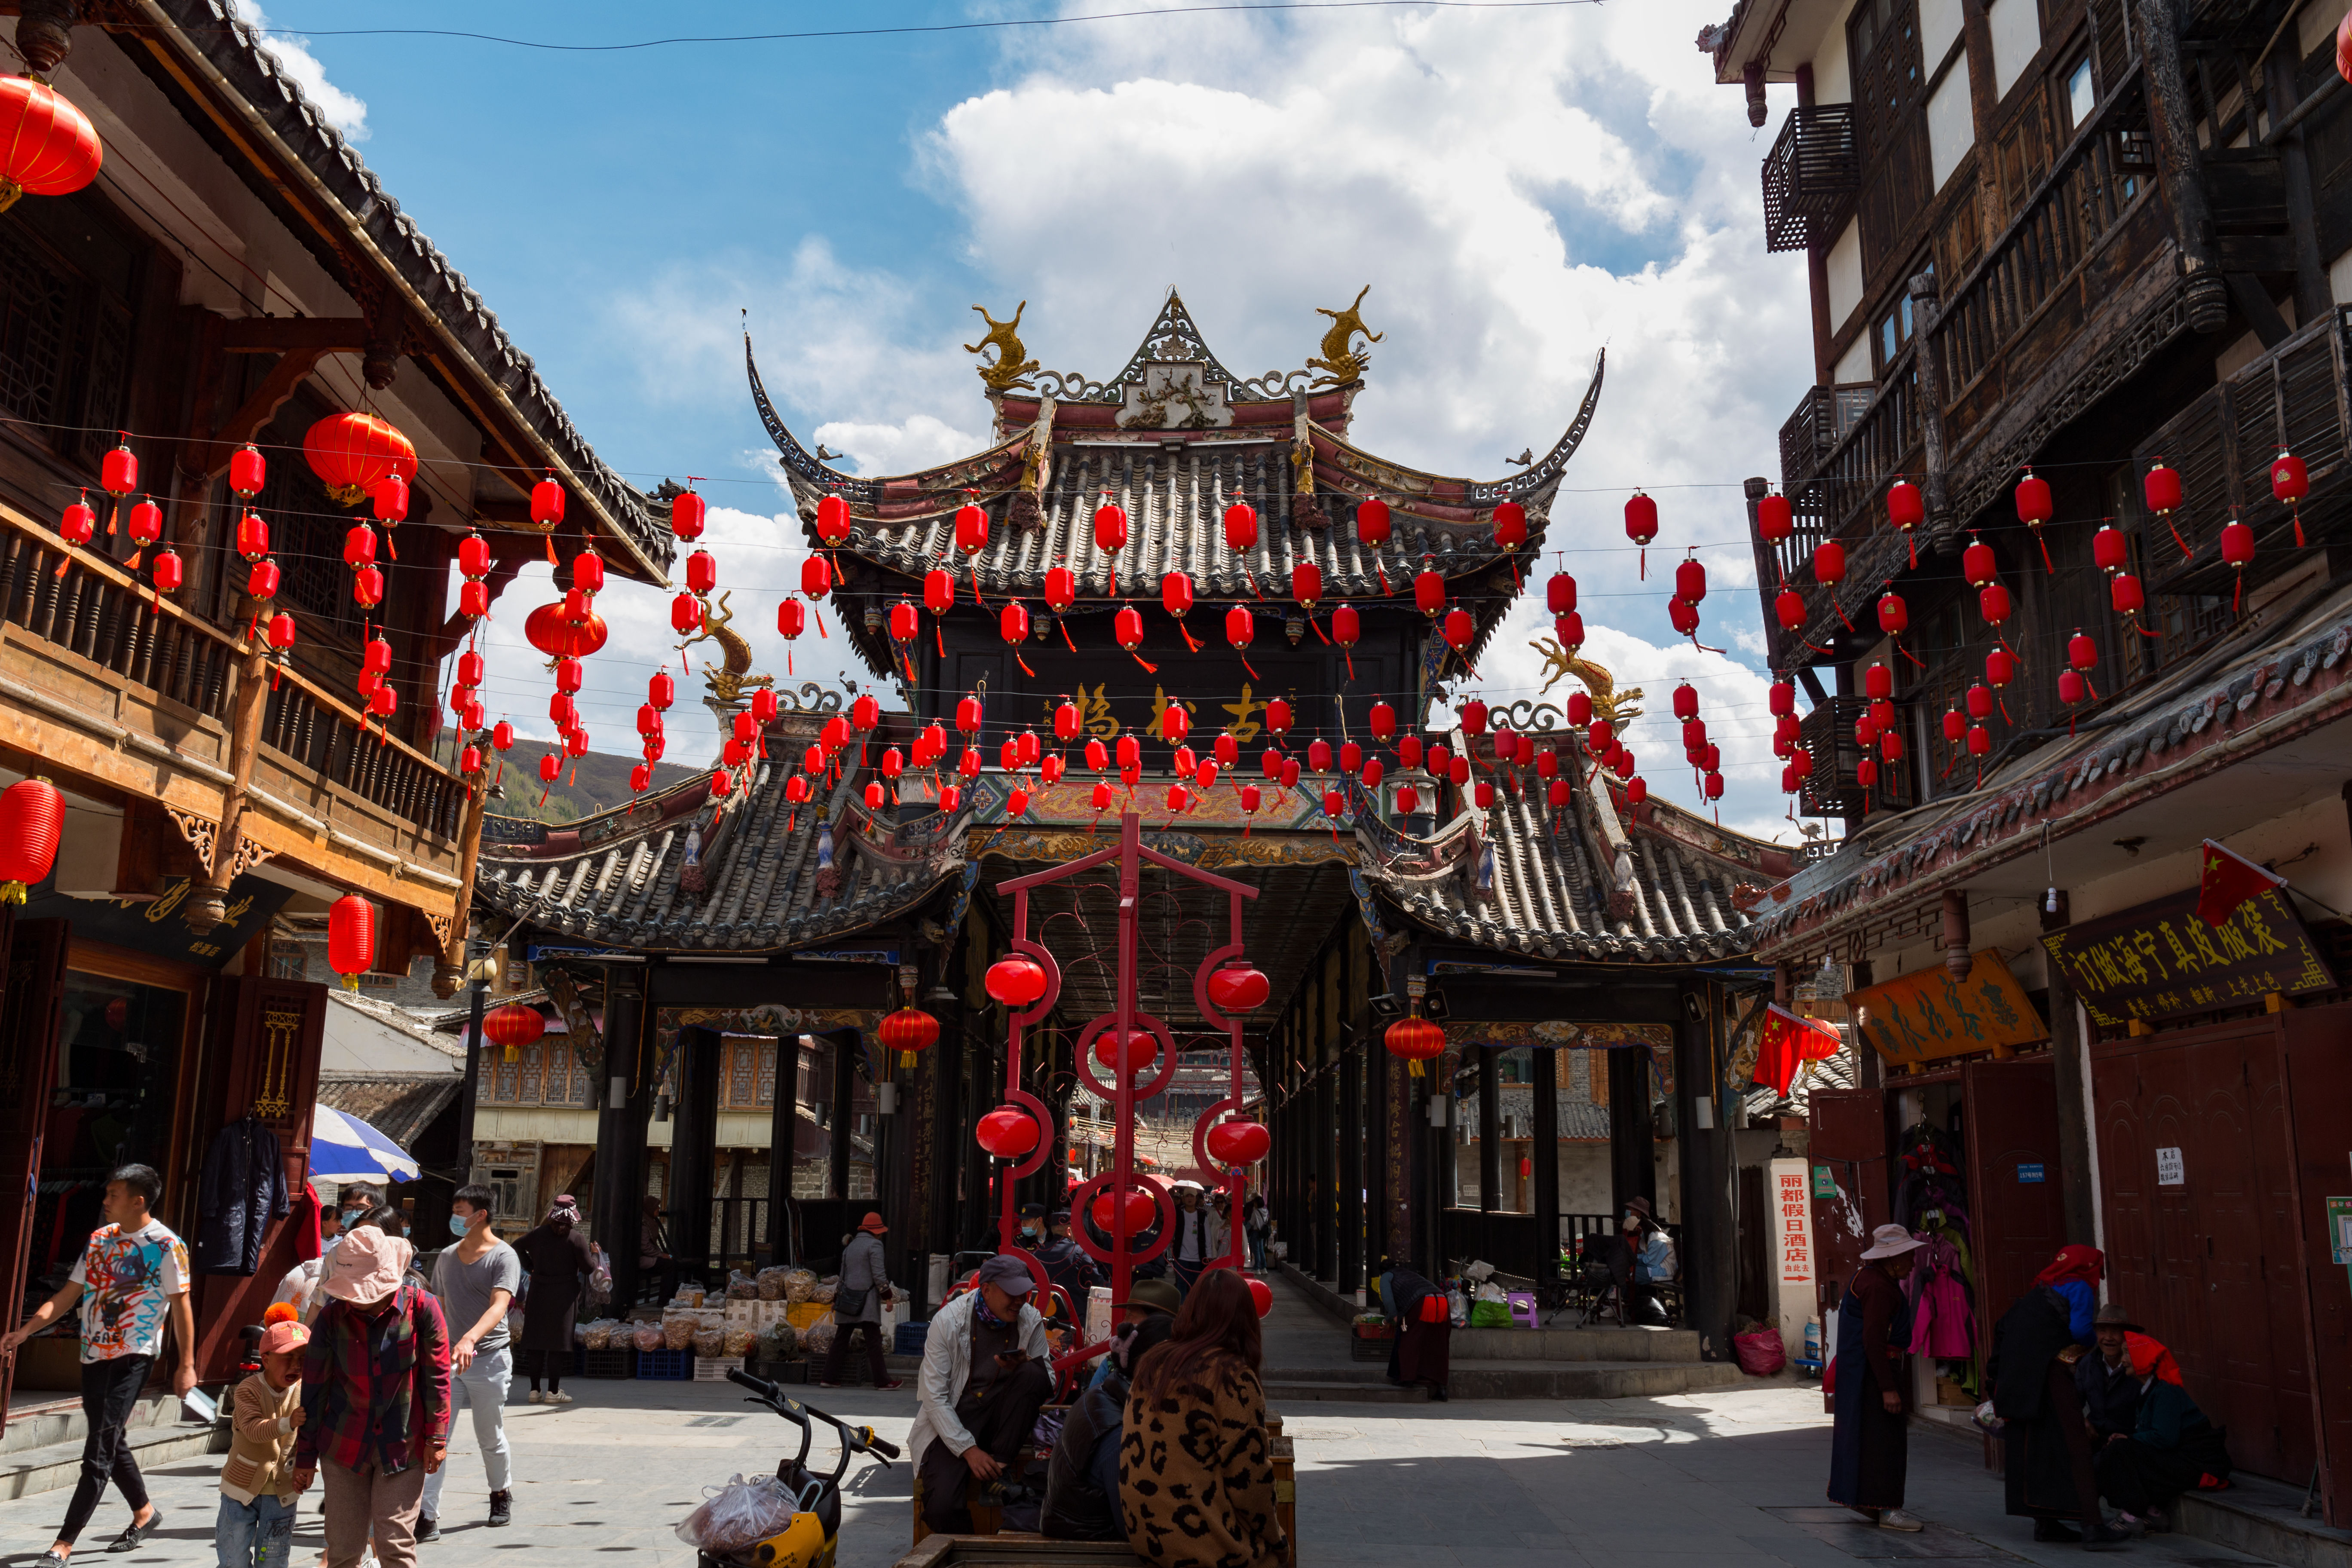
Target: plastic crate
x: 665, y: 1366
x: 804, y: 1315
x: 1373, y: 1345
x: 908, y: 1339
x: 715, y: 1368
x: 603, y: 1364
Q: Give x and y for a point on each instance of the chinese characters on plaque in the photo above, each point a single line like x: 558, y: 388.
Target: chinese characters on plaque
x: 1927, y: 1015
x: 2160, y: 959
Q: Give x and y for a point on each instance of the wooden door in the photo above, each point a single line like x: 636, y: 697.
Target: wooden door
x: 2019, y: 1221
x: 268, y: 1034
x: 1850, y: 1145
x: 34, y: 994
x: 2318, y: 1047
x: 2208, y: 1263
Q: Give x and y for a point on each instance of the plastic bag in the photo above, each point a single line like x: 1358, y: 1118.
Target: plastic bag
x: 1491, y: 1315
x: 742, y: 1287
x: 710, y: 1342
x: 817, y: 1338
x: 771, y: 1283
x: 778, y: 1341
x: 598, y: 1335
x: 798, y: 1283
x: 740, y: 1342
x: 1760, y: 1351
x: 647, y: 1336
x: 737, y: 1516
x: 822, y: 1292
x: 678, y: 1332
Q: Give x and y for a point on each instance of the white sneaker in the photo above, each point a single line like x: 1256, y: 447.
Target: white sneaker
x: 1895, y: 1518
x: 537, y: 1397
x: 559, y: 1398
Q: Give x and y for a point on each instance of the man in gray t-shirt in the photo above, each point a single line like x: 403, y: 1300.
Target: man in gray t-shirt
x: 477, y: 1280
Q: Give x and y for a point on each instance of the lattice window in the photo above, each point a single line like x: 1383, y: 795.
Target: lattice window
x: 764, y: 1090
x: 35, y: 320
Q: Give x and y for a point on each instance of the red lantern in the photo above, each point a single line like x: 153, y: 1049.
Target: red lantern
x: 1013, y: 623
x: 2081, y: 652
x: 1865, y: 773
x: 1829, y: 563
x: 253, y: 537
x: 547, y: 502
x: 2290, y: 484
x: 31, y: 818
x: 261, y: 583
x: 1415, y: 1040
x: 1789, y: 609
x: 389, y: 499
x: 1319, y: 756
x: 1560, y: 594
x: 350, y: 937
x: 1111, y: 529
x: 1429, y: 592
x: 1277, y: 717
x: 685, y: 613
x: 2125, y: 591
x: 1894, y: 615
x: 1061, y: 588
x: 1373, y: 525
x: 833, y: 522
x: 1690, y: 580
x: 2071, y: 688
x: 1460, y: 630
x: 1510, y: 525
x: 2033, y: 503
x: 1383, y: 720
x: 1143, y: 1050
x: 2237, y: 544
x: 1993, y: 603
x: 247, y: 472
x: 1780, y: 698
x: 1240, y: 626
x: 1238, y: 988
x: 168, y: 571
x: 512, y: 1025
x: 1176, y: 593
x: 661, y: 690
x: 79, y: 521
x: 1408, y: 800
x: 1007, y: 1132
x: 1980, y: 703
x: 1878, y: 682
x: 1238, y: 1143
x: 501, y: 736
x: 2161, y: 488
x: 971, y: 528
x: 702, y: 572
x: 354, y: 452
x: 1683, y: 615
x: 1347, y: 629
x: 1641, y: 525
x: 1017, y: 981
x: 1307, y: 585
x: 687, y: 513
x: 146, y: 523
x: 118, y: 471
x: 1569, y: 629
x: 1137, y: 1209
x: 367, y: 587
x: 1240, y: 526
x: 1980, y: 741
x: 906, y: 623
x: 51, y: 147
x: 1126, y: 627
x: 1775, y: 524
x: 1636, y: 792
x: 1580, y: 709
x: 2109, y: 549
x: 2001, y: 668
x: 816, y: 575
x: 1906, y: 509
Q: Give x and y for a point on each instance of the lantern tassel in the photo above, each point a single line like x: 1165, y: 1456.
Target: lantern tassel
x: 2185, y: 551
x: 1840, y: 610
x: 1024, y: 666
x: 1381, y: 573
x: 551, y: 561
x: 1065, y: 624
x: 1906, y: 653
x: 63, y: 562
x: 818, y: 617
x: 1255, y: 676
x: 1138, y: 658
x: 1190, y: 641
x: 938, y: 639
x: 1319, y: 631
x: 1349, y: 655
x: 2044, y: 543
x: 2298, y: 528
x: 393, y: 550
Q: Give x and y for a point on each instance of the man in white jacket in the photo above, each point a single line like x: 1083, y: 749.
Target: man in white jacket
x: 984, y: 1378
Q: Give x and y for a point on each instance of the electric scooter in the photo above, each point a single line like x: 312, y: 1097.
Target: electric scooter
x: 810, y: 1541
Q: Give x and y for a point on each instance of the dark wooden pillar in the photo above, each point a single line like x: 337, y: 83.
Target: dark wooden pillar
x: 943, y: 1069
x: 1869, y: 1068
x: 2074, y: 1193
x: 1326, y: 1219
x: 783, y: 1132
x: 1543, y: 1153
x: 1490, y: 1131
x: 1389, y: 1126
x: 693, y: 1150
x: 1632, y: 1147
x: 1709, y: 1250
x: 2172, y: 120
x: 842, y: 1047
x: 2312, y: 298
x: 1352, y: 1132
x: 619, y: 1133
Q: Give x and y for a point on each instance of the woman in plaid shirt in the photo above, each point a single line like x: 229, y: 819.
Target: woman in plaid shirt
x: 375, y: 1400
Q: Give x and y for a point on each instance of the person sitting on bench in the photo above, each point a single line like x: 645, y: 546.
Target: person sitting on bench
x: 984, y: 1378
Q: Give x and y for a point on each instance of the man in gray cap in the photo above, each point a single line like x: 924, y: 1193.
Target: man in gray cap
x: 2110, y: 1391
x: 984, y: 1379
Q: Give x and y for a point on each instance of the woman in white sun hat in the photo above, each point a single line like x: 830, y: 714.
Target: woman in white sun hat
x: 1872, y: 1397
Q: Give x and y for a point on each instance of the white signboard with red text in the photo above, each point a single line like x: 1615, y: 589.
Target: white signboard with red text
x: 1791, y: 1200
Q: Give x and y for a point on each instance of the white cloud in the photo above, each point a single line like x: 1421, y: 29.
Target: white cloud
x: 1519, y: 189
x: 345, y: 111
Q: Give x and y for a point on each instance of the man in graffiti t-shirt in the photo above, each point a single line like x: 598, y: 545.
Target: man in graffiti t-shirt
x: 132, y: 1279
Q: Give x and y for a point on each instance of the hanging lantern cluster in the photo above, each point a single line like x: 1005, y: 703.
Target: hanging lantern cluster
x: 1796, y: 762
x: 360, y: 456
x: 1690, y: 587
x: 2075, y: 686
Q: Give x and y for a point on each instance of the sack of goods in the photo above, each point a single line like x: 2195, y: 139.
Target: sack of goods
x: 822, y: 1292
x: 647, y: 1336
x: 678, y: 1332
x: 737, y: 1516
x: 742, y: 1287
x: 778, y: 1341
x: 772, y: 1282
x: 710, y: 1342
x: 598, y: 1335
x: 740, y: 1342
x: 798, y: 1283
x: 817, y: 1338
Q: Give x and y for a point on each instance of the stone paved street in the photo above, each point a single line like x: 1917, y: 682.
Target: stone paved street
x: 1731, y: 1478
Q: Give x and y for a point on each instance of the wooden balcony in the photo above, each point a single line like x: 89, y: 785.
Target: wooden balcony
x: 102, y: 684
x: 1812, y: 177
x: 1835, y: 787
x: 2297, y: 395
x: 2071, y: 298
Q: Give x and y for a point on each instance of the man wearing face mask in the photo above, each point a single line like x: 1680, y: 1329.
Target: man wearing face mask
x: 477, y: 1280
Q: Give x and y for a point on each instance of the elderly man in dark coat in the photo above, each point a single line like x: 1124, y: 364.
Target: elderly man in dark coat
x: 2047, y: 1475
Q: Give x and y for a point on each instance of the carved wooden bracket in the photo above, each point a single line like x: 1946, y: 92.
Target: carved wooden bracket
x: 440, y: 924
x: 199, y: 831
x: 248, y: 855
x: 299, y: 343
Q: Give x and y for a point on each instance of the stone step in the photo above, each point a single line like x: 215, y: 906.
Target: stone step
x: 1587, y: 1380
x: 1297, y: 1390
x: 40, y: 1420
x: 1564, y: 1344
x: 55, y: 1465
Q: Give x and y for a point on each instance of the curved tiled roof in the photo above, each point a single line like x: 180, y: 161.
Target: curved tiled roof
x: 211, y: 29
x: 1577, y: 884
x: 622, y: 876
x: 1175, y: 495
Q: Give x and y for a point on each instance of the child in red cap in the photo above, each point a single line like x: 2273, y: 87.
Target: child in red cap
x: 258, y: 1489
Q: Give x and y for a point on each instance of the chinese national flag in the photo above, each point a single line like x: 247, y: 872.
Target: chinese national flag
x: 1785, y: 1041
x: 2227, y: 880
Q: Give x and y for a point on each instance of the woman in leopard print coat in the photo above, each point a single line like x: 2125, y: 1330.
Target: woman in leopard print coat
x: 1196, y: 1487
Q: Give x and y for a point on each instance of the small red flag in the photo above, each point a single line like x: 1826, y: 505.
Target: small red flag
x: 1787, y: 1039
x: 2227, y: 879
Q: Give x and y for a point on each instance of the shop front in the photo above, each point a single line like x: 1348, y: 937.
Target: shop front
x: 1958, y: 1143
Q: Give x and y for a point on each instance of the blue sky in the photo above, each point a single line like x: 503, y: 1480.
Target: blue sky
x: 1520, y: 187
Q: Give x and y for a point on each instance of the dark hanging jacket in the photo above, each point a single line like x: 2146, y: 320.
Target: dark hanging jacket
x: 242, y: 1189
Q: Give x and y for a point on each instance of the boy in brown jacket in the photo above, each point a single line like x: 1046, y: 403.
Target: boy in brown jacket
x: 258, y: 1489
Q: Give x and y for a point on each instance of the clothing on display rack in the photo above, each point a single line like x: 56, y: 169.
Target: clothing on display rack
x: 242, y: 1189
x: 1943, y: 1322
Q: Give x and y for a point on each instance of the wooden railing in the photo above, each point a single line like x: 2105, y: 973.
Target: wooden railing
x: 87, y: 605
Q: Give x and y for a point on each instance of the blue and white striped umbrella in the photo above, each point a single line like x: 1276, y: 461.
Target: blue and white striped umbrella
x: 345, y: 1149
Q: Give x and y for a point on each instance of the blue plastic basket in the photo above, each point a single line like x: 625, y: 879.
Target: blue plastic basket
x: 908, y: 1339
x: 665, y: 1366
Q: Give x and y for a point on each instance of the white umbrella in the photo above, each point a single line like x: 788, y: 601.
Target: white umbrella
x: 345, y: 1149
